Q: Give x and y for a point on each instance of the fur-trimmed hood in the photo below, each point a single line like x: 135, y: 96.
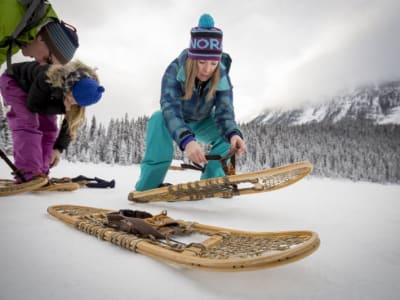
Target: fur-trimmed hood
x: 58, y: 74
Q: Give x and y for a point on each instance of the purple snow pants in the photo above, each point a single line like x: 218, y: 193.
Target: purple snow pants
x: 33, y: 134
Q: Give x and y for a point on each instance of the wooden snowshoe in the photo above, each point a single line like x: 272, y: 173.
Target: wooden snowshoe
x: 227, y: 186
x: 39, y: 184
x: 177, y: 242
x: 58, y: 185
x: 80, y: 182
x: 9, y: 187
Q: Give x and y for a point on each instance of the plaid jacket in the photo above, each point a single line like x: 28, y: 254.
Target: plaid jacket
x: 178, y: 112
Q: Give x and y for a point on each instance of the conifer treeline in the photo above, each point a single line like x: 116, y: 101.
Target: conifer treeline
x: 122, y: 142
x: 5, y: 138
x: 356, y: 150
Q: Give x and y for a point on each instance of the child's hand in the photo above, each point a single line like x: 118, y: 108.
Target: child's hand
x: 55, y: 158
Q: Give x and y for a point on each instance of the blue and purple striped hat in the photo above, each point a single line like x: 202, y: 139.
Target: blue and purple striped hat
x: 206, y: 40
x: 61, y: 39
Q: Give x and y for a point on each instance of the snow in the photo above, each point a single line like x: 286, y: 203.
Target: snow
x: 311, y: 114
x: 358, y: 223
x: 269, y: 116
x: 392, y: 118
x: 346, y: 103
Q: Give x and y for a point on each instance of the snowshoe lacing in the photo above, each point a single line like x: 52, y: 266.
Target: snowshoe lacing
x: 158, y: 231
x: 228, y: 163
x: 224, y: 187
x: 228, y: 245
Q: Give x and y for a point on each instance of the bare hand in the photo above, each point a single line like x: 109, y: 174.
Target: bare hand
x: 238, y: 144
x: 55, y: 158
x: 195, y: 152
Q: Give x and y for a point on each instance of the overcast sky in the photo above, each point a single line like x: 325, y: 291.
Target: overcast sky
x: 284, y: 52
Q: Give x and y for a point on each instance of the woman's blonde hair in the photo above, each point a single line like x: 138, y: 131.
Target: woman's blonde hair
x: 75, y: 117
x: 191, y: 70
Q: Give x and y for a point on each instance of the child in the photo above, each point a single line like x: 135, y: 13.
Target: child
x: 34, y: 95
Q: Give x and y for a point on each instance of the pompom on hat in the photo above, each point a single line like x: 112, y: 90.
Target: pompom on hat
x: 87, y: 91
x: 61, y: 39
x: 206, y: 40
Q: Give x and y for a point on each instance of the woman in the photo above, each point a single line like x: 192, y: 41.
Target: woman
x: 196, y: 106
x: 34, y: 95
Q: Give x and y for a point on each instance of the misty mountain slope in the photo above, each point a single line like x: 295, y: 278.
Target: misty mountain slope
x: 379, y: 104
x: 354, y: 135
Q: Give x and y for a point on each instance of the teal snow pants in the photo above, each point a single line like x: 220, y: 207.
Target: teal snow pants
x: 159, y: 150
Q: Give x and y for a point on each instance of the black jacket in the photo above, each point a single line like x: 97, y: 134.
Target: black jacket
x: 43, y: 98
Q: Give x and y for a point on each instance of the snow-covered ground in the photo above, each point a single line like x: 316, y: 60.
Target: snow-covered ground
x: 358, y: 223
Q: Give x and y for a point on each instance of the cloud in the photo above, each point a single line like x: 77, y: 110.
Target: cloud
x: 284, y: 52
x: 359, y: 48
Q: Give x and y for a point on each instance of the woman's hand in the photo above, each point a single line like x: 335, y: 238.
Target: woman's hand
x: 195, y: 153
x: 238, y: 144
x: 55, y: 158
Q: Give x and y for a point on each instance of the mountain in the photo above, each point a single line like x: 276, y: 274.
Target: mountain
x: 379, y: 104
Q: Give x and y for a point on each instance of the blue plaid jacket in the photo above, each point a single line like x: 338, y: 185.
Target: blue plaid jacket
x: 178, y: 112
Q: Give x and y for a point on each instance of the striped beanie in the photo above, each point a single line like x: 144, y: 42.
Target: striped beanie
x: 62, y: 40
x: 206, y: 40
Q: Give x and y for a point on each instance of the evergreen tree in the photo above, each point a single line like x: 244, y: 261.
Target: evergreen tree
x: 5, y: 134
x: 110, y: 146
x: 2, y: 129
